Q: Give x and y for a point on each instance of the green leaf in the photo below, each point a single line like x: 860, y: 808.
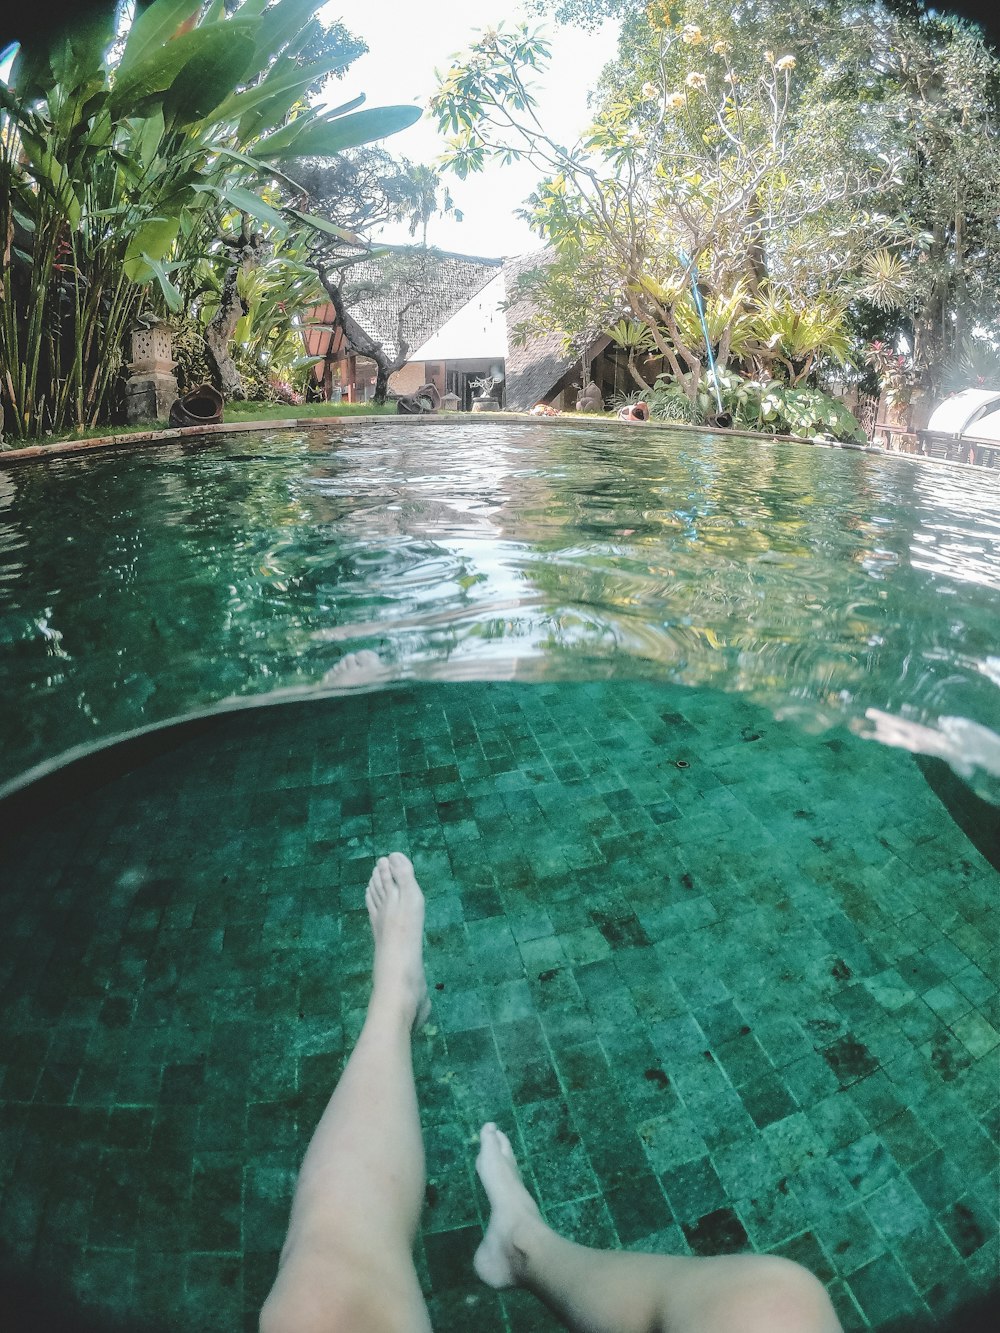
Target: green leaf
x: 323, y: 137
x: 248, y: 202
x: 260, y: 108
x: 53, y: 175
x: 153, y: 238
x: 279, y: 24
x: 173, y: 298
x: 153, y: 29
x: 150, y: 135
x: 209, y: 74
x: 321, y: 224
x: 159, y: 70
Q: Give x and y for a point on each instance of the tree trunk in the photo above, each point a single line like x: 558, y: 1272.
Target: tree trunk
x: 251, y: 250
x: 361, y: 342
x: 633, y: 370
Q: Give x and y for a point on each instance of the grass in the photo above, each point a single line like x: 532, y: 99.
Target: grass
x: 286, y: 411
x: 235, y: 411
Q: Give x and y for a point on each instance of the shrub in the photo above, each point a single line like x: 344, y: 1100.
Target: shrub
x: 774, y: 408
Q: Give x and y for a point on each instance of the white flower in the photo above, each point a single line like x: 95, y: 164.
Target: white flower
x: 695, y: 80
x: 769, y: 57
x: 691, y: 35
x: 721, y: 48
x: 731, y: 77
x: 677, y: 100
x: 650, y: 90
x: 786, y: 62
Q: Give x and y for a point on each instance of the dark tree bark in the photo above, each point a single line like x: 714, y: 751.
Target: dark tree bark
x: 359, y: 341
x: 249, y: 252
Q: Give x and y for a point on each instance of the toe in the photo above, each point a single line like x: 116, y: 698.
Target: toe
x: 401, y: 868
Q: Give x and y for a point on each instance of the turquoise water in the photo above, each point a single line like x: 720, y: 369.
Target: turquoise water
x: 724, y: 969
x: 837, y: 588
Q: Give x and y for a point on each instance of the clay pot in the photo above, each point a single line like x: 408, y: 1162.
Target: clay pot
x: 199, y: 407
x: 634, y: 412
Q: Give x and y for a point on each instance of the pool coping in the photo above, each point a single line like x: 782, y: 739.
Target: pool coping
x: 40, y: 452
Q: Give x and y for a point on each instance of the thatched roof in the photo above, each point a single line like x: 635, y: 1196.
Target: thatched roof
x: 534, y: 369
x: 431, y: 288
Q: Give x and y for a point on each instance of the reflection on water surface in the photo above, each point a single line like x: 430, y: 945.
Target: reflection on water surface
x: 836, y: 587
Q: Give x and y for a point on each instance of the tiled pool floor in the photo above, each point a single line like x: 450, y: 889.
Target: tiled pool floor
x: 725, y: 985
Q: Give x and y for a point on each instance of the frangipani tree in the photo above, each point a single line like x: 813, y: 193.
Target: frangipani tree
x: 697, y: 168
x: 116, y: 168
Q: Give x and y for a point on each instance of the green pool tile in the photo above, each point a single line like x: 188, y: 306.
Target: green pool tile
x: 693, y: 1189
x: 931, y: 1260
x: 867, y: 1164
x: 585, y: 1221
x: 718, y: 1232
x: 977, y: 1035
x: 970, y: 1222
x: 805, y: 1249
x: 631, y: 1035
x: 837, y: 1121
x: 772, y: 1218
x: 558, y: 1158
x: 793, y: 1142
x: 883, y: 1291
x: 638, y: 1208
x: 767, y: 1100
x: 850, y: 1239
x: 896, y: 1210
x: 937, y: 1181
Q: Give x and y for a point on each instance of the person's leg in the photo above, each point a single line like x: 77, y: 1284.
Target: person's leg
x: 603, y: 1291
x: 347, y: 1262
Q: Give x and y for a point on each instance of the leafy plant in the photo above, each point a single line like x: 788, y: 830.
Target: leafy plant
x: 115, y: 170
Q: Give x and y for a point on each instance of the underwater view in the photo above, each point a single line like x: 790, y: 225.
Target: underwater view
x: 695, y: 746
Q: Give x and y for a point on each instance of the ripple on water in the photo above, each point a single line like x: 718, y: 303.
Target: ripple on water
x: 836, y: 587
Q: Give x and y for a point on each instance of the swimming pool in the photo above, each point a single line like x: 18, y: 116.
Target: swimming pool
x: 834, y: 587
x: 725, y: 966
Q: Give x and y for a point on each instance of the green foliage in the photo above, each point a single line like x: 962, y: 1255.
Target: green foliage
x: 772, y: 407
x: 116, y: 174
x: 829, y: 168
x: 975, y: 365
x: 668, y: 401
x: 192, y: 364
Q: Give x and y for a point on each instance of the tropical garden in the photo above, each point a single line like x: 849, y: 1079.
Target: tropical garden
x: 773, y: 197
x: 774, y: 200
x: 156, y: 162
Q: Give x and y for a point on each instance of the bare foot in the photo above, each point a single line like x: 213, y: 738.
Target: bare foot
x: 500, y: 1261
x: 396, y: 911
x: 353, y: 669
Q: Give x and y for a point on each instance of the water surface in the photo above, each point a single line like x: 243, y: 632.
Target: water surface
x: 835, y: 587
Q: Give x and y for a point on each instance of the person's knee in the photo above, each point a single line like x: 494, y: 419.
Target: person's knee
x: 338, y: 1296
x: 777, y: 1296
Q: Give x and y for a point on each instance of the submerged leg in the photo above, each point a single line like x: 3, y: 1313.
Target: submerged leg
x: 347, y: 1262
x: 602, y: 1291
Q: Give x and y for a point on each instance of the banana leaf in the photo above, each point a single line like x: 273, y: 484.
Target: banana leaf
x: 324, y: 137
x: 200, y: 86
x: 152, y: 29
x: 248, y: 202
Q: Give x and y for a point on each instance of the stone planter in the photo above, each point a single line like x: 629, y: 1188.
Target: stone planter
x: 151, y: 389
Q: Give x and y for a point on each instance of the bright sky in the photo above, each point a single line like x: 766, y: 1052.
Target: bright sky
x: 407, y: 42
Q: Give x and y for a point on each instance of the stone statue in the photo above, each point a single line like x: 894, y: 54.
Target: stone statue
x: 590, y: 399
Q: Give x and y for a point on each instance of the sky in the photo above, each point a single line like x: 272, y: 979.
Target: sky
x: 405, y: 47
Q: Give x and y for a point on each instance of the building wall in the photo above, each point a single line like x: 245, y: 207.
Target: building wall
x: 409, y: 379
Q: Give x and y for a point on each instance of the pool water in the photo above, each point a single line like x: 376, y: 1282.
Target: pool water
x: 835, y: 587
x: 724, y: 968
